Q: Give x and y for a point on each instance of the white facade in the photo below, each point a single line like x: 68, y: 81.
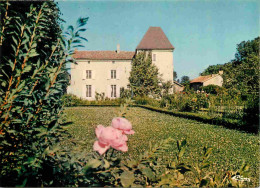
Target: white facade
x: 105, y: 74
x: 163, y: 59
x: 108, y: 71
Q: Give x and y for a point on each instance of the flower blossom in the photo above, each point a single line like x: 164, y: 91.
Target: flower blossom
x: 123, y: 125
x: 109, y: 137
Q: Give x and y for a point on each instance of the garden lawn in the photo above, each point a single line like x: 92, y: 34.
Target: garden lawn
x: 230, y: 147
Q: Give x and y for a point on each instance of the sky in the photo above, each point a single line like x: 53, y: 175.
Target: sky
x: 203, y: 32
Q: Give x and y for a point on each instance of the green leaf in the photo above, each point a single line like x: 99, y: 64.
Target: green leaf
x: 181, y: 152
x: 94, y: 163
x: 127, y: 178
x: 148, y: 173
x: 106, y: 165
x: 27, y: 68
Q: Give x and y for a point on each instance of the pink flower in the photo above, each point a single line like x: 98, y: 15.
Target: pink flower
x: 109, y: 136
x: 122, y: 124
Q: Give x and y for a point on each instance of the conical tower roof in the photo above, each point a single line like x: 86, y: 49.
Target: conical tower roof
x: 154, y: 39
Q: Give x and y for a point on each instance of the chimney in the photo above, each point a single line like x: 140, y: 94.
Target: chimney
x: 118, y: 48
x: 220, y: 72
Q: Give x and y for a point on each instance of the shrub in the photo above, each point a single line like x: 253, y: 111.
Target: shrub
x: 99, y: 96
x: 182, y: 102
x: 212, y: 89
x: 125, y: 93
x: 71, y: 100
x: 33, y: 78
x: 143, y: 100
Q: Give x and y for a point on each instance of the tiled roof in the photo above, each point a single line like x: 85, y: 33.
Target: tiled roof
x: 153, y: 39
x: 103, y: 55
x: 202, y: 79
x: 177, y: 83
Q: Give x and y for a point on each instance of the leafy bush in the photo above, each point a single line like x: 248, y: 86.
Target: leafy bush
x: 143, y: 100
x: 99, y: 96
x: 71, y: 100
x: 183, y: 102
x: 33, y: 78
x: 149, y: 170
x: 212, y: 89
x: 125, y: 93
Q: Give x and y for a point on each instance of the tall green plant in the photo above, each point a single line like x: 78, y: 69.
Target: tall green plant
x: 144, y: 76
x: 33, y: 78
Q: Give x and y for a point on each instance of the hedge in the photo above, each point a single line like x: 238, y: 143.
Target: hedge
x: 226, y: 122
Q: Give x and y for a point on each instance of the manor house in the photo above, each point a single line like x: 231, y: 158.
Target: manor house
x: 108, y: 71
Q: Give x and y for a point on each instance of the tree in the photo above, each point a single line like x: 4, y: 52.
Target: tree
x: 212, y: 69
x: 242, y: 73
x: 174, y: 75
x: 185, y: 80
x: 144, y: 76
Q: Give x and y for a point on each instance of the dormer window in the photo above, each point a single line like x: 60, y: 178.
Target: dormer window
x: 154, y: 57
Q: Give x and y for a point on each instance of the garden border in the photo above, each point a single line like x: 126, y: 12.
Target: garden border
x: 228, y: 123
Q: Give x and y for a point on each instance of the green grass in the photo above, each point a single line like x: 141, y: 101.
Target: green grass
x: 230, y: 147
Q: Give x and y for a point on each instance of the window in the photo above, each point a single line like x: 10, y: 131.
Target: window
x: 113, y: 62
x: 113, y: 74
x: 88, y: 91
x: 154, y: 57
x: 88, y: 62
x: 113, y: 90
x: 88, y: 74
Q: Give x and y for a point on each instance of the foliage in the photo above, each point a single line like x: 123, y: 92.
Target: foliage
x: 166, y: 87
x: 175, y: 76
x: 184, y: 102
x: 146, y: 100
x: 212, y: 89
x: 241, y: 73
x: 185, y: 80
x: 33, y: 76
x: 251, y: 113
x: 99, y: 96
x: 144, y: 76
x: 212, y: 69
x: 125, y: 93
x: 73, y: 100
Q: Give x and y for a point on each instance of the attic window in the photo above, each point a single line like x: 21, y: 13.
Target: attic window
x: 88, y: 62
x: 113, y: 62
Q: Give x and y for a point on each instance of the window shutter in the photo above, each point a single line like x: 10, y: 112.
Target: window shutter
x: 109, y: 91
x: 83, y: 74
x: 93, y: 91
x: 93, y: 74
